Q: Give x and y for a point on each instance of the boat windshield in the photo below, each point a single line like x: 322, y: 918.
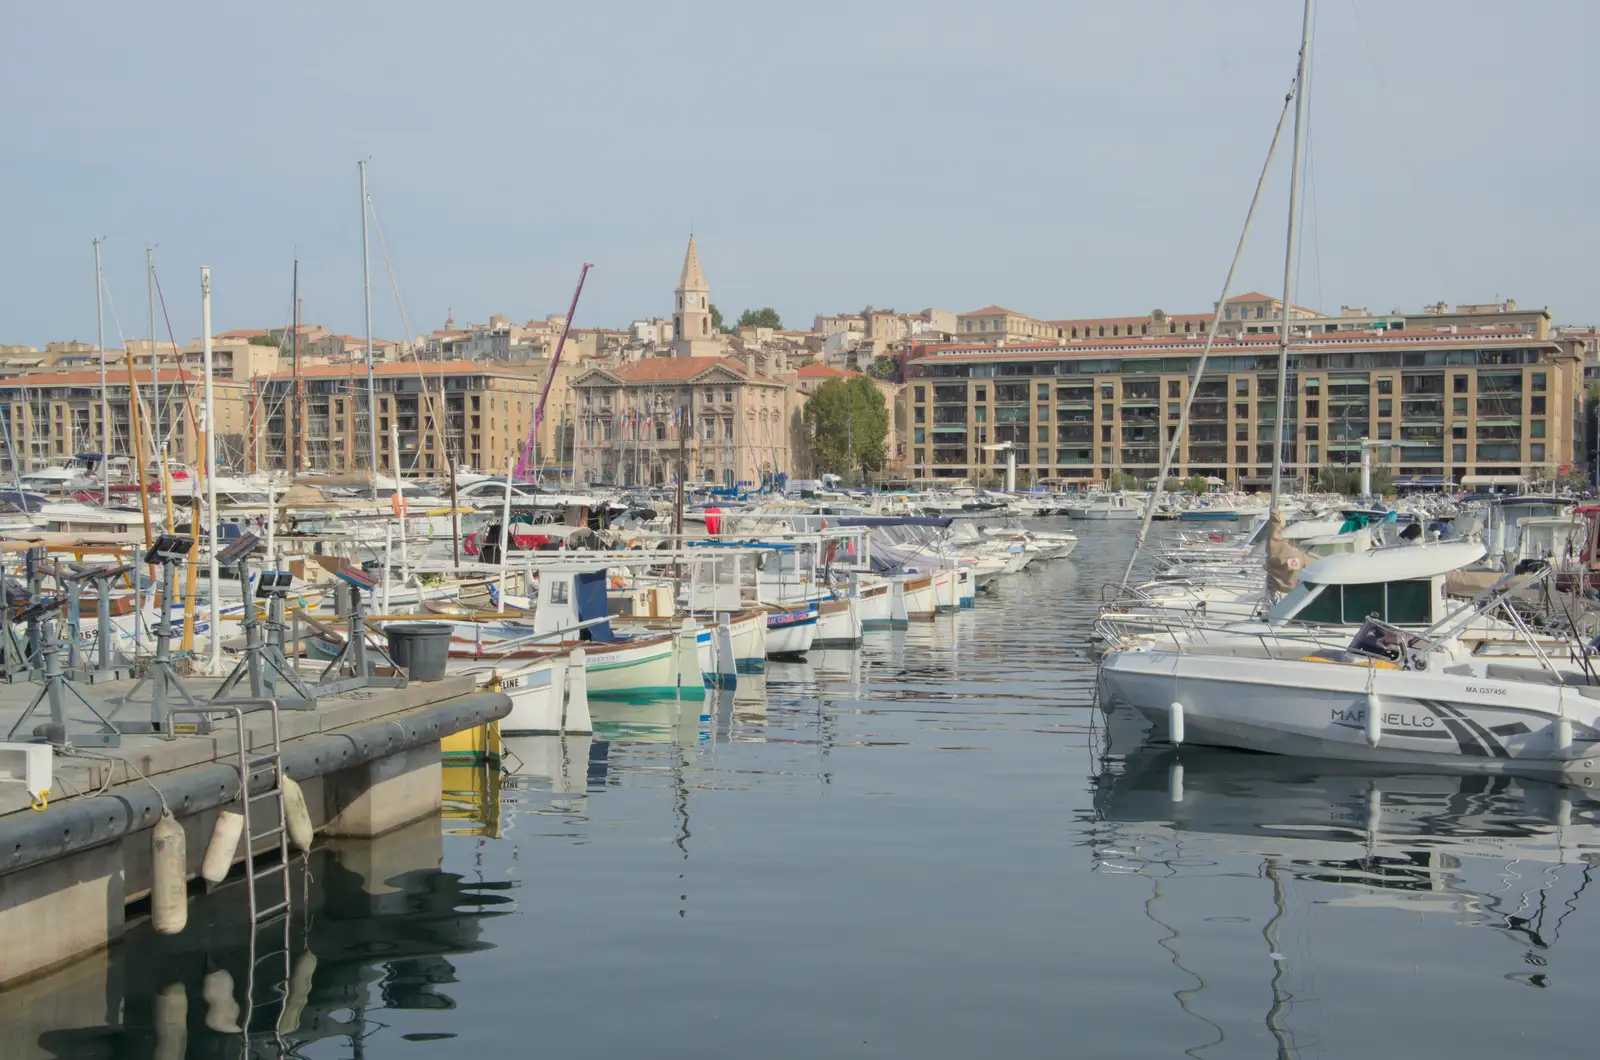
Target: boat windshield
x: 1296, y: 598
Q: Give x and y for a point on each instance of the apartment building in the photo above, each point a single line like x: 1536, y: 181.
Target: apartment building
x: 486, y: 412
x: 1453, y: 403
x: 55, y: 416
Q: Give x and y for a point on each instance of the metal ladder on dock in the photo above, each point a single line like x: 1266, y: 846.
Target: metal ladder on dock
x: 265, y: 916
x: 252, y: 765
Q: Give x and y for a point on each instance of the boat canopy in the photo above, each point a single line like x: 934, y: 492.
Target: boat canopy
x: 1393, y: 563
x: 896, y: 520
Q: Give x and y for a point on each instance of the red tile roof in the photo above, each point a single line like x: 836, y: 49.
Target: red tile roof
x: 824, y: 371
x: 673, y: 369
x: 401, y: 368
x: 1167, y: 344
x: 115, y: 376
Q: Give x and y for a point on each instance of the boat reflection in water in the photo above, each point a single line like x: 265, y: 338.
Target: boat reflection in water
x: 1274, y: 882
x: 384, y: 923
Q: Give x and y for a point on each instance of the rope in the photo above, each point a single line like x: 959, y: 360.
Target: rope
x: 1170, y: 453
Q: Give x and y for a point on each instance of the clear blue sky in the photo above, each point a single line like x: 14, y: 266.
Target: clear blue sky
x: 1062, y: 159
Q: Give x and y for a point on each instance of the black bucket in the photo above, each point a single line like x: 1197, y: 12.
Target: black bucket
x: 421, y: 649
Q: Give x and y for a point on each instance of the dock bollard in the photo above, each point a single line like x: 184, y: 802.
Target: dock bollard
x: 169, y: 877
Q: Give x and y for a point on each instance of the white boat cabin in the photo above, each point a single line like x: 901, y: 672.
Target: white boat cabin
x: 1403, y: 585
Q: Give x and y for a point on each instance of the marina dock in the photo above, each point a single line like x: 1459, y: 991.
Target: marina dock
x: 368, y: 761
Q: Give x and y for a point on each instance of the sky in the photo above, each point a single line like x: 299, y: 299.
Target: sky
x: 1060, y: 159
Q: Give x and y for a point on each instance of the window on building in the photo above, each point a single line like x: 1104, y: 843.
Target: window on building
x: 1538, y: 382
x: 1041, y: 434
x: 1044, y: 412
x: 1313, y: 432
x: 1313, y: 386
x: 1385, y: 385
x: 982, y: 412
x: 727, y: 430
x: 1105, y: 456
x: 1241, y: 453
x: 1107, y: 390
x: 1385, y: 431
x: 1043, y: 391
x: 1458, y: 453
x: 1174, y: 388
x: 1535, y: 407
x: 1536, y: 428
x: 1105, y: 432
x: 1458, y: 406
x: 1241, y: 432
x: 1241, y: 387
x: 1536, y: 452
x: 1260, y: 312
x: 918, y: 394
x: 1385, y: 406
x: 1241, y: 409
x: 1041, y: 456
x: 1174, y: 412
x: 920, y: 414
x: 920, y: 435
x: 1107, y: 412
x: 1458, y: 430
x: 980, y: 393
x: 1311, y: 454
x: 1458, y: 384
x: 1313, y: 407
x: 919, y: 456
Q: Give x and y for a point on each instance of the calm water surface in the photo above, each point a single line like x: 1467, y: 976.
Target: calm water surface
x: 933, y: 847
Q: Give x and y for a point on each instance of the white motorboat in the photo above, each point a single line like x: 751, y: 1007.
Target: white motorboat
x: 1389, y: 697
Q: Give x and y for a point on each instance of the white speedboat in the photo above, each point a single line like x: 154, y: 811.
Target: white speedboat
x: 1388, y: 697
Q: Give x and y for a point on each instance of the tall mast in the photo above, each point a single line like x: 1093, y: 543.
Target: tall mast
x: 214, y: 659
x: 1288, y: 252
x: 155, y: 372
x: 366, y: 290
x: 105, y: 406
x: 294, y: 398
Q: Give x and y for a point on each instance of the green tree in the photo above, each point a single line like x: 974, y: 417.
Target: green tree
x: 1171, y: 484
x: 716, y: 317
x: 848, y: 422
x: 1572, y: 480
x: 1196, y: 484
x: 766, y: 317
x: 263, y: 340
x: 883, y: 367
x: 1122, y: 480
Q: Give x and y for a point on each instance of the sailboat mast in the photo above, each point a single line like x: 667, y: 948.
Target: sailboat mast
x: 214, y: 655
x: 105, y: 405
x: 155, y: 371
x: 294, y: 397
x: 1288, y: 252
x: 366, y: 290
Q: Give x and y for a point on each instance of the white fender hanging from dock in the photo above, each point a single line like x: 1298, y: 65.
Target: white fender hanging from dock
x: 1175, y: 723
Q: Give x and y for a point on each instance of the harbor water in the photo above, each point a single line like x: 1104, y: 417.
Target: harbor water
x: 934, y: 846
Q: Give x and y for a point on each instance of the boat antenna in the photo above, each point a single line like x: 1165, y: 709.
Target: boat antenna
x: 1169, y: 455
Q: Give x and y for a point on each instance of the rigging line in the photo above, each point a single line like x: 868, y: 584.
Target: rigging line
x: 394, y: 284
x: 1405, y: 149
x: 116, y: 321
x: 1169, y: 453
x: 1307, y: 184
x: 188, y: 395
